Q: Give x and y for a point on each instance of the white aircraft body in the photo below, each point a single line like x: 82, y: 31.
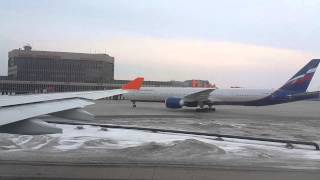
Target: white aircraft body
x: 160, y: 94
x: 294, y: 89
x: 17, y: 112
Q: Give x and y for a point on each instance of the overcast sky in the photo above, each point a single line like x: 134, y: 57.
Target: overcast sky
x: 250, y: 43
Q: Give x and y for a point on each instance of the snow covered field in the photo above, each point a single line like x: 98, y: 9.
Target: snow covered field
x: 96, y: 144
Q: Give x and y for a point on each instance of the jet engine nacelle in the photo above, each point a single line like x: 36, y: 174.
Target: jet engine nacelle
x: 176, y: 103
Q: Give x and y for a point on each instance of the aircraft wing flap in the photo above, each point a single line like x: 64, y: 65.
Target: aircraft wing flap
x: 199, y: 96
x: 13, y: 114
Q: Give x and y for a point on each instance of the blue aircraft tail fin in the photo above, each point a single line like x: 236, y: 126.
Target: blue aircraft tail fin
x: 299, y: 83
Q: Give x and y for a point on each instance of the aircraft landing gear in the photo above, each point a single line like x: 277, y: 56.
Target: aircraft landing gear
x: 212, y: 108
x: 209, y: 109
x: 134, y: 104
x: 202, y: 110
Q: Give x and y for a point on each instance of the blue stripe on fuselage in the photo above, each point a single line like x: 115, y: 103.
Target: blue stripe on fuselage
x: 278, y: 98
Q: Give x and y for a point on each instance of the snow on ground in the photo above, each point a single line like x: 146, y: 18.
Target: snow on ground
x: 92, y: 137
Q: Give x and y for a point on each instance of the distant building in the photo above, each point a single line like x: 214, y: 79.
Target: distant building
x: 199, y: 83
x: 28, y: 65
x: 32, y: 71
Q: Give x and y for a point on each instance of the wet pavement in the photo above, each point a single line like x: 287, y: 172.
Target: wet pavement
x: 295, y: 121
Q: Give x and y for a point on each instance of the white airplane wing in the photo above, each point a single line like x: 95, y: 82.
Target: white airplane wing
x: 200, y: 96
x: 38, y: 98
x: 18, y: 108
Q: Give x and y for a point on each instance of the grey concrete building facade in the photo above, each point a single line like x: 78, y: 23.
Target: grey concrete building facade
x: 28, y: 65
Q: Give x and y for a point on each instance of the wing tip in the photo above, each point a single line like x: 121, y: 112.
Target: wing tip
x: 134, y: 85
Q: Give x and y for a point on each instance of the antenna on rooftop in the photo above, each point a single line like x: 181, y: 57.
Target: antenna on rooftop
x: 27, y: 47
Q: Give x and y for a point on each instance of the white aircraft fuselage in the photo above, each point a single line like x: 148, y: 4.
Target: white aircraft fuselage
x: 160, y: 94
x: 295, y: 89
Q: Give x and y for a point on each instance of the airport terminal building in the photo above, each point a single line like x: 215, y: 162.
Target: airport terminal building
x: 28, y: 65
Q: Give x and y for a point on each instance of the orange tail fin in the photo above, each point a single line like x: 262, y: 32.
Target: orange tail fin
x: 134, y: 85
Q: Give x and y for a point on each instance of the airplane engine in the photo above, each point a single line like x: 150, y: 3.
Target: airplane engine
x: 176, y: 103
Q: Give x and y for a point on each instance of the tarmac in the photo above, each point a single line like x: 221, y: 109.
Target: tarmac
x: 87, y: 152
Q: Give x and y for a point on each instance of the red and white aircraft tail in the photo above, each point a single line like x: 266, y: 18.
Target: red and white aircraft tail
x: 134, y: 85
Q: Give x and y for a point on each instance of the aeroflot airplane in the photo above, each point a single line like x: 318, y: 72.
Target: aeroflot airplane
x: 294, y: 89
x: 18, y: 114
